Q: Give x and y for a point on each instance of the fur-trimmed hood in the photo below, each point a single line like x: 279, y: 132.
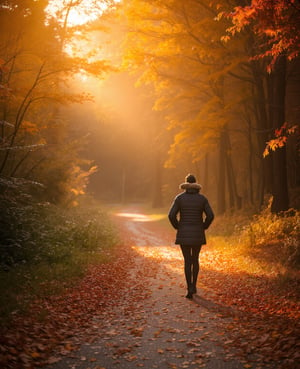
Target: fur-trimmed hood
x: 190, y: 186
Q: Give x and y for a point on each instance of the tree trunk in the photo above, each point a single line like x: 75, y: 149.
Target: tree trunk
x: 280, y: 184
x: 250, y: 162
x: 235, y: 200
x: 205, y: 175
x: 157, y: 193
x: 221, y: 204
x: 263, y: 125
x: 260, y: 186
x: 123, y: 186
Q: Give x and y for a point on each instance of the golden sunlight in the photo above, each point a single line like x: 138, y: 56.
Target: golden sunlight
x: 76, y: 15
x: 137, y: 217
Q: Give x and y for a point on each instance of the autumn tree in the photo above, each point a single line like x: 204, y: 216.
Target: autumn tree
x: 35, y: 72
x: 216, y: 95
x: 179, y: 43
x: 276, y: 26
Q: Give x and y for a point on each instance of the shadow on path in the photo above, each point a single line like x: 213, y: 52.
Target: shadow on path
x: 215, y: 307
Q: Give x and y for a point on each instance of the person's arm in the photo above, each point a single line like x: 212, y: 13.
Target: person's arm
x: 209, y: 215
x: 173, y: 214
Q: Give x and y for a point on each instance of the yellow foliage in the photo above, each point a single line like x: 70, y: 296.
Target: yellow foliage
x: 176, y: 47
x: 80, y: 179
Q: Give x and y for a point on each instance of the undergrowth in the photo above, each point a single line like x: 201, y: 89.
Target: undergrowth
x: 45, y: 248
x: 275, y: 236
x: 265, y: 240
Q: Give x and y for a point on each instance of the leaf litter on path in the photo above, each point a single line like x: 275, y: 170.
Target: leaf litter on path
x: 132, y: 313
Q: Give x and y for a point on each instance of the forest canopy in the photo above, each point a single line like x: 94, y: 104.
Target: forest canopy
x: 225, y: 78
x: 217, y: 86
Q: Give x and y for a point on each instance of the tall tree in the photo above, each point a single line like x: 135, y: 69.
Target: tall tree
x: 280, y: 185
x: 177, y: 46
x: 276, y: 25
x: 35, y: 72
x: 206, y: 86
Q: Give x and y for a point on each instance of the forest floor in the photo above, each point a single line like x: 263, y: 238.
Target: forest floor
x: 132, y: 312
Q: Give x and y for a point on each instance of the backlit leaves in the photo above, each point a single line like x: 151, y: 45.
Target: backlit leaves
x: 182, y: 56
x: 281, y: 137
x: 275, y: 22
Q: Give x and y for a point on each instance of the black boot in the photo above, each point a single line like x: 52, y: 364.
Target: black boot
x: 189, y: 295
x: 193, y: 289
x: 190, y: 292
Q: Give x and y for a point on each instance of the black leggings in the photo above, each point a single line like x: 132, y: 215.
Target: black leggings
x: 191, y: 264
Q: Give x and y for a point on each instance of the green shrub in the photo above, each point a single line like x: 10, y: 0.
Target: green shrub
x: 40, y: 232
x: 42, y: 244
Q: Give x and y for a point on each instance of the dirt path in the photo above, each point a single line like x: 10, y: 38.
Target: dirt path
x: 154, y: 325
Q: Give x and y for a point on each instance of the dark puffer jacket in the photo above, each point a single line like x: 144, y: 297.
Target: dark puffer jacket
x: 191, y: 207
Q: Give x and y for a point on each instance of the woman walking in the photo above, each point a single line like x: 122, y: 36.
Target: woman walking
x: 191, y: 206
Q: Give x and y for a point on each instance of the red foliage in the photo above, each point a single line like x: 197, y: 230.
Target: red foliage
x: 276, y: 23
x: 281, y: 137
